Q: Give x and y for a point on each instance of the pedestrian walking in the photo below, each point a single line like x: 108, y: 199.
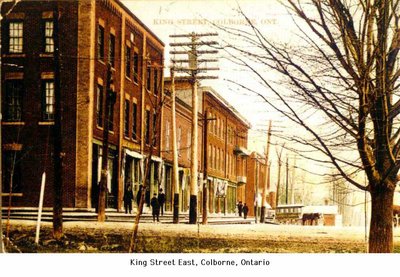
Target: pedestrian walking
x: 139, y: 195
x: 155, y: 207
x: 240, y: 208
x: 161, y: 201
x: 128, y: 197
x: 245, y: 210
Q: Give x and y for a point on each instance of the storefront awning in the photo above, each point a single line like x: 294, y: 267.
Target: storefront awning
x: 133, y: 154
x: 241, y: 151
x: 156, y: 159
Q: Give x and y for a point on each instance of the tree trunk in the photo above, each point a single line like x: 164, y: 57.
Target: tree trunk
x: 262, y: 214
x: 193, y: 209
x: 381, y: 228
x: 176, y: 208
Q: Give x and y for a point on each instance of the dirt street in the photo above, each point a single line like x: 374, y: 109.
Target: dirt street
x: 93, y: 237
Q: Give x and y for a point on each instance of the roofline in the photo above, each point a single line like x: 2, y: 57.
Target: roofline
x: 125, y: 8
x: 227, y: 105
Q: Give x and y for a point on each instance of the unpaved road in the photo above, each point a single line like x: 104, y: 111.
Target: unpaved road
x: 94, y: 237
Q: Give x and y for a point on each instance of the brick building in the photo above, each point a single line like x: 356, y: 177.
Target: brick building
x: 227, y: 152
x: 92, y: 35
x: 226, y: 146
x: 256, y: 170
x: 183, y: 133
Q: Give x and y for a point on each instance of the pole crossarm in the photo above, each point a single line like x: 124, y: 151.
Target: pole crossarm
x: 190, y: 49
x: 193, y: 34
x: 189, y: 78
x: 185, y: 69
x: 198, y: 52
x: 198, y: 60
x: 200, y: 43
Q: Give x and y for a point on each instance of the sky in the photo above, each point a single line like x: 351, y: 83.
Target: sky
x: 166, y: 17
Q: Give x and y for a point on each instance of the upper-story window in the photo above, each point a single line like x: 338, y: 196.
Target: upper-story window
x: 49, y: 36
x: 48, y: 100
x: 154, y: 128
x: 126, y: 119
x: 188, y: 145
x: 148, y: 78
x: 167, y: 135
x: 111, y: 117
x: 100, y: 43
x: 99, y: 106
x: 178, y: 139
x: 111, y: 50
x: 134, y: 121
x: 155, y: 82
x: 135, y: 67
x: 147, y: 128
x: 16, y: 37
x: 128, y: 61
x: 13, y: 100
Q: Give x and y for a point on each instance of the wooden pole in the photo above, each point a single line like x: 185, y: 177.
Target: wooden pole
x: 175, y: 171
x: 265, y: 191
x: 101, y: 206
x: 57, y: 136
x: 42, y: 187
x: 278, y: 183
x: 194, y: 144
x: 205, y: 164
x: 1, y: 152
x: 287, y: 180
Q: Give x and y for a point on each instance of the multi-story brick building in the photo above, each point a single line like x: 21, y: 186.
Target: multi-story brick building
x: 183, y: 133
x: 92, y: 34
x: 256, y: 179
x: 226, y: 145
x: 227, y: 152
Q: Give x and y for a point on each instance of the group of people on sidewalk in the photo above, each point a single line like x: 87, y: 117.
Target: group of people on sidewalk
x: 156, y: 203
x: 243, y: 209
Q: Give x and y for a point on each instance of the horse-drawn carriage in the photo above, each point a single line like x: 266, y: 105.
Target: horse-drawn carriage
x: 289, y: 214
x: 307, y: 215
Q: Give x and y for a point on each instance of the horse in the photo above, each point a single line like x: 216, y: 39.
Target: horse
x: 310, y: 217
x: 396, y: 215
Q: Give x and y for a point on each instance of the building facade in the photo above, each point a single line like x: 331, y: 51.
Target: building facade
x: 226, y: 147
x: 93, y: 35
x: 227, y: 152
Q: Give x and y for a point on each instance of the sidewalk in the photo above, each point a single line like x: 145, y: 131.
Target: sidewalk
x: 115, y: 216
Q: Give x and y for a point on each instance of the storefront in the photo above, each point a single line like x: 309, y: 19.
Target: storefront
x: 112, y: 178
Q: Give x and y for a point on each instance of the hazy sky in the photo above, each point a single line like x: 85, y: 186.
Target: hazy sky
x: 166, y: 17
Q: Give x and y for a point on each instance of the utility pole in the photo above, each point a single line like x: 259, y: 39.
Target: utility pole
x: 57, y: 136
x: 287, y: 180
x: 293, y: 182
x: 175, y: 172
x: 1, y: 146
x: 264, y: 199
x: 256, y: 196
x: 110, y: 100
x: 205, y: 164
x: 193, y: 69
x: 278, y: 184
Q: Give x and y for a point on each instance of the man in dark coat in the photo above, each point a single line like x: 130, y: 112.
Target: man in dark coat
x: 139, y: 195
x: 245, y: 210
x: 240, y: 208
x: 161, y: 201
x: 128, y: 197
x: 156, y: 207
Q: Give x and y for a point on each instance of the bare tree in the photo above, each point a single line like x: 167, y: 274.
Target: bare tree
x: 343, y: 73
